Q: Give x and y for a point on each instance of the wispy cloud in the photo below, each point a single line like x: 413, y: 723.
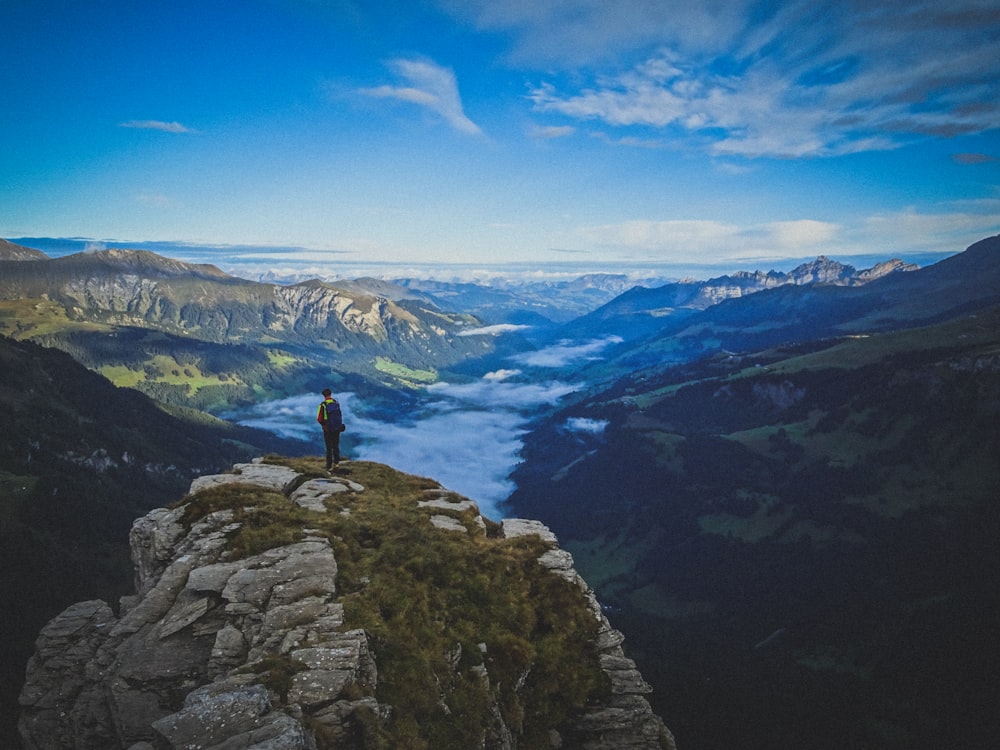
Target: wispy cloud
x: 973, y: 158
x: 499, y: 375
x: 503, y: 393
x: 586, y: 424
x: 551, y: 131
x: 575, y: 33
x: 896, y: 233
x: 913, y: 230
x: 566, y: 353
x: 430, y: 86
x: 799, y: 79
x: 166, y: 127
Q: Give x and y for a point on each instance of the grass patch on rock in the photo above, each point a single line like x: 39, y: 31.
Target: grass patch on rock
x: 463, y: 626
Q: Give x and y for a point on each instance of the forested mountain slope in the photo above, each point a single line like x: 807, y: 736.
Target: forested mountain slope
x: 801, y: 535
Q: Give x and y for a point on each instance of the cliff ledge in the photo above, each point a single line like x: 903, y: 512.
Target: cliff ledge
x: 280, y: 608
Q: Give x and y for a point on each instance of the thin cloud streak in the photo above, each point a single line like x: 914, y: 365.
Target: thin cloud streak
x: 575, y: 33
x: 494, y: 330
x: 565, y: 353
x: 430, y: 86
x: 165, y: 127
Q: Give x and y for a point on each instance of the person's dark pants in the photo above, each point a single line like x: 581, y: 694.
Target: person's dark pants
x: 332, y: 440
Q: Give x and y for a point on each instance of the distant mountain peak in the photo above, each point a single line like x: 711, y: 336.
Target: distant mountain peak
x: 143, y: 261
x: 823, y: 271
x: 884, y: 269
x: 10, y: 251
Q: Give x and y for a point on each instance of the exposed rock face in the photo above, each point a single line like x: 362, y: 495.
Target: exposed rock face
x: 253, y: 653
x: 884, y: 269
x: 139, y: 288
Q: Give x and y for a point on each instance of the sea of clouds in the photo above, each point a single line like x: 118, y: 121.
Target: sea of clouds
x: 467, y: 436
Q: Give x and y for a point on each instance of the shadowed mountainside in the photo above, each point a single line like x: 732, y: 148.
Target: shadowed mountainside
x: 801, y: 541
x: 79, y: 460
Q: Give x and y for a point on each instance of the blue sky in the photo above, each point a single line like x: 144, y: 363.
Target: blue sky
x: 495, y: 131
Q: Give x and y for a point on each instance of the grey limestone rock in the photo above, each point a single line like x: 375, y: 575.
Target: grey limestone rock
x: 260, y: 474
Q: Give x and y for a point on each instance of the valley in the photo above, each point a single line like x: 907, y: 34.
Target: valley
x: 785, y: 496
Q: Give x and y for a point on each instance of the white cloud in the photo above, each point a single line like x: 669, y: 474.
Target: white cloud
x: 494, y: 330
x: 493, y: 393
x: 808, y: 80
x: 895, y: 233
x: 166, y: 127
x: 566, y: 352
x: 678, y: 237
x: 428, y: 85
x: 501, y: 374
x: 800, y: 236
x: 912, y: 231
x: 586, y: 424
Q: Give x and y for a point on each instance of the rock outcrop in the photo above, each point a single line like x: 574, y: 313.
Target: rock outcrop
x: 222, y: 651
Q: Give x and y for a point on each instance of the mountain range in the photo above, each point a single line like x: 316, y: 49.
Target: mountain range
x: 538, y: 304
x: 190, y: 334
x: 792, y: 312
x: 781, y: 486
x: 641, y: 310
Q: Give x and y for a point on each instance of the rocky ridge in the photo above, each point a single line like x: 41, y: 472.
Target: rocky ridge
x: 140, y: 289
x: 218, y: 652
x: 641, y: 311
x: 10, y: 251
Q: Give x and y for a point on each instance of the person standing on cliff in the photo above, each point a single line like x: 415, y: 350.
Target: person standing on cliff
x: 332, y: 422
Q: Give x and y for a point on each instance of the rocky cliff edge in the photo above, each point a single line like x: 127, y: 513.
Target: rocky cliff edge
x: 279, y: 608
